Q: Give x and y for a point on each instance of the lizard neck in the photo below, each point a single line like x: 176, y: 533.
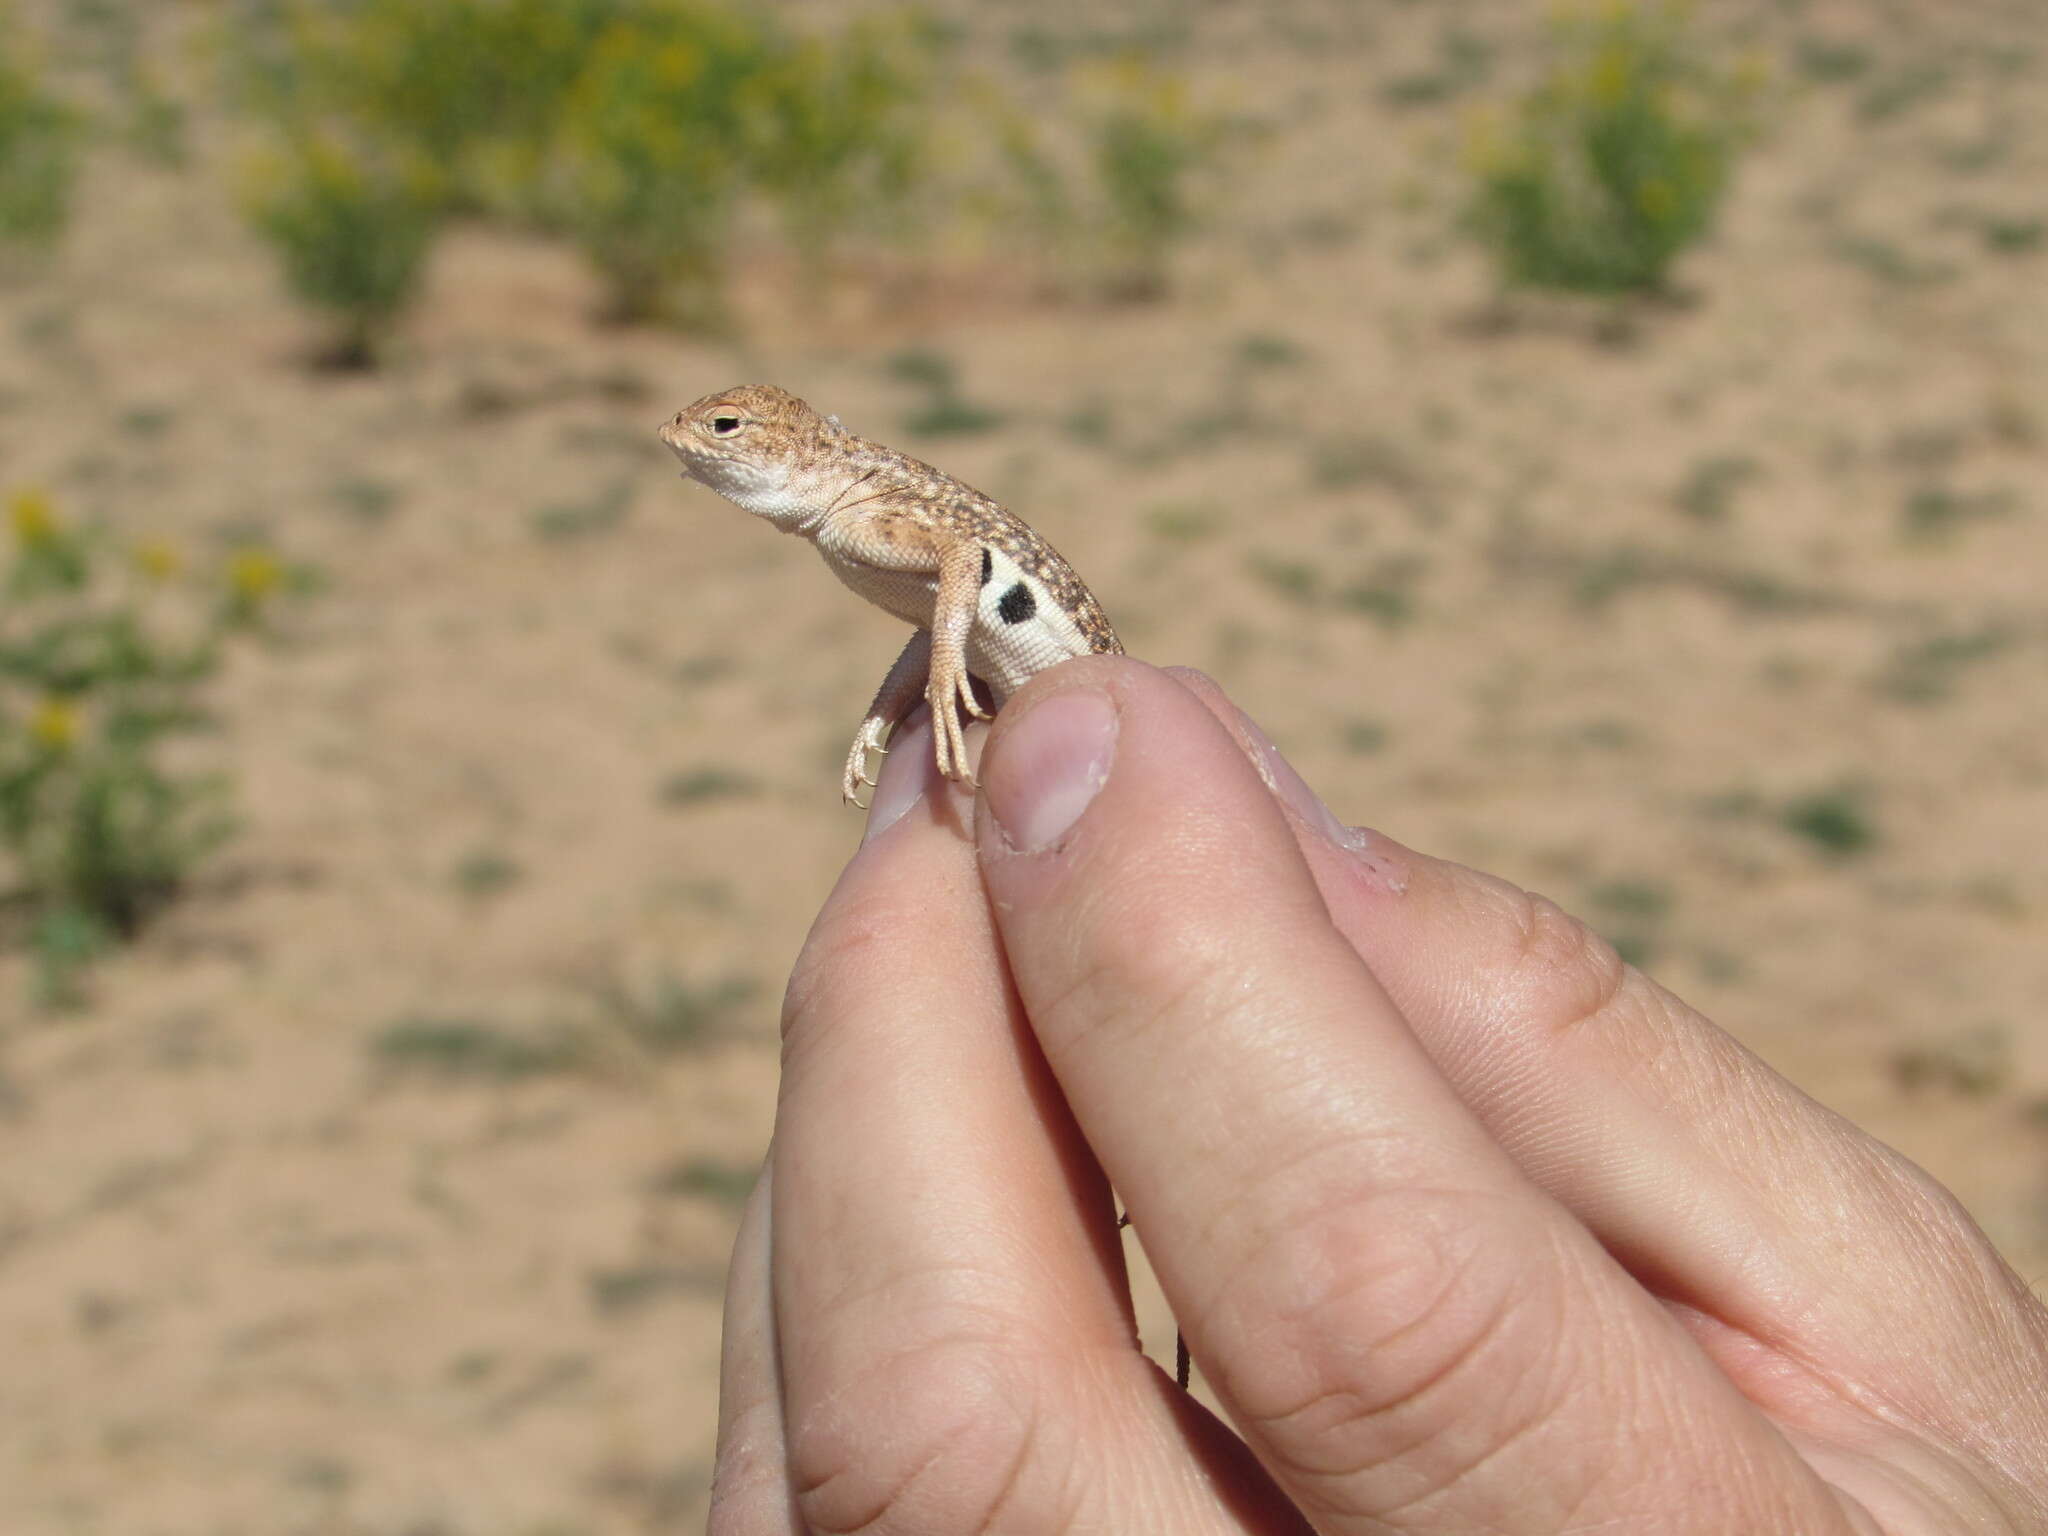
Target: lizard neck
x: 775, y: 493
x: 800, y: 490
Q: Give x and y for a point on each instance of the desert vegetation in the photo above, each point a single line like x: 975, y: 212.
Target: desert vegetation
x: 1600, y: 443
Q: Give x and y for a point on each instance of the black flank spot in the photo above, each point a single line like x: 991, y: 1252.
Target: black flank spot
x: 1017, y: 604
x: 988, y: 564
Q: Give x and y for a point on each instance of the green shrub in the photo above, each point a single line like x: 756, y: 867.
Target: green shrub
x: 1145, y: 143
x: 1836, y: 821
x: 472, y: 87
x: 1115, y: 182
x: 1613, y: 164
x: 101, y: 662
x: 651, y: 154
x: 840, y: 128
x: 654, y: 133
x: 38, y: 150
x: 352, y: 228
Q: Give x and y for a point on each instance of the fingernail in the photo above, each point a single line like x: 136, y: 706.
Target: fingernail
x: 1051, y: 765
x: 905, y: 775
x: 1292, y: 791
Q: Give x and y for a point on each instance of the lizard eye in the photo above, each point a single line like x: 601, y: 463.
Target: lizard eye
x: 724, y: 426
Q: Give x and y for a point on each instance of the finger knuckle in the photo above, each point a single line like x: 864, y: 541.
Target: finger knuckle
x: 1558, y: 974
x: 932, y: 1439
x: 859, y: 948
x: 843, y: 942
x: 1383, y: 1330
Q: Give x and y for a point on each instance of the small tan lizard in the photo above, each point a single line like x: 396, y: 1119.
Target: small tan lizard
x: 988, y: 597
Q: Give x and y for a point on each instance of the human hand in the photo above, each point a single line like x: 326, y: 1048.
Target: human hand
x: 1470, y: 1227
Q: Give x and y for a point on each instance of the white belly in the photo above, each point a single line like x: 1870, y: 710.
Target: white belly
x: 1003, y: 653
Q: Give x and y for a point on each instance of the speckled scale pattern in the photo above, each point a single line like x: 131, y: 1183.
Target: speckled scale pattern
x: 833, y: 468
x: 928, y: 498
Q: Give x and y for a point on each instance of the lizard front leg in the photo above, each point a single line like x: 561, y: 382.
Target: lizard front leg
x: 901, y: 689
x: 949, y: 689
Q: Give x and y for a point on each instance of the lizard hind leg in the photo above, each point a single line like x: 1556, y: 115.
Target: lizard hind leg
x: 897, y: 696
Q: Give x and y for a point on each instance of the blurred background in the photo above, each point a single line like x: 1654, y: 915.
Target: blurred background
x: 1605, y: 445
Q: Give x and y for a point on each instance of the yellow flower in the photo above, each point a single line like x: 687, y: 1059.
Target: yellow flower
x: 1612, y: 74
x: 253, y: 574
x: 158, y: 559
x: 34, y: 519
x: 677, y: 66
x: 54, y: 724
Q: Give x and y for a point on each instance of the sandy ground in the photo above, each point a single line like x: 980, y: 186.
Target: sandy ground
x: 553, y: 756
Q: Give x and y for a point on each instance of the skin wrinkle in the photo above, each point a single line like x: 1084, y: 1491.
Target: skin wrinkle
x: 1328, y: 1479
x: 1658, y: 1033
x: 947, y: 1315
x: 1933, y: 1217
x: 1251, y: 1294
x: 1004, y: 1284
x: 1175, y: 982
x: 1948, y: 1242
x: 1863, y: 1407
x: 840, y: 503
x: 1257, y: 1198
x: 1448, y: 1291
x: 1011, y: 1488
x: 815, y: 1467
x: 870, y: 940
x: 863, y: 948
x: 1165, y: 1018
x: 1524, y: 1426
x: 1739, y: 1465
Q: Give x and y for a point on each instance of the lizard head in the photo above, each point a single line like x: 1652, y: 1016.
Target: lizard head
x: 749, y: 444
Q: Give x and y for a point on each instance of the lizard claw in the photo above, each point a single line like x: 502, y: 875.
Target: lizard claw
x: 856, y: 772
x: 969, y: 702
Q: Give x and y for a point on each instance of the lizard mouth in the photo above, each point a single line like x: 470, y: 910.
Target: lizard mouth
x: 701, y: 462
x: 690, y: 452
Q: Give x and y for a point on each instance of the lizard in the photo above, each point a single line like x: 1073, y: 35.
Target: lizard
x: 985, y: 596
